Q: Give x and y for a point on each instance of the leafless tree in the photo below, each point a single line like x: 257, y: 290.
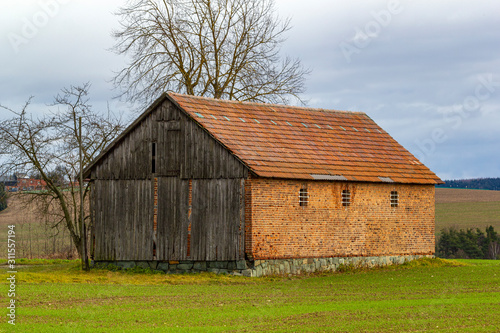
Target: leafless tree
x: 49, y: 147
x: 228, y: 49
x: 494, y: 250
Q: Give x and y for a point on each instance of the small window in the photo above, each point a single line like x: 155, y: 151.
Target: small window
x: 153, y: 157
x: 394, y: 198
x: 346, y: 198
x: 303, y: 197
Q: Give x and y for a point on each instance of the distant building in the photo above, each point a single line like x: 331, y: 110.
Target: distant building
x: 204, y: 184
x: 8, y: 181
x: 21, y: 182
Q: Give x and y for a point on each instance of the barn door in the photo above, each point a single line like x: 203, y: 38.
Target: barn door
x: 217, y: 219
x: 172, y: 220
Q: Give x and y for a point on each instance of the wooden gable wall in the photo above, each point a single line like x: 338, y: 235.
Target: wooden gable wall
x: 184, y: 149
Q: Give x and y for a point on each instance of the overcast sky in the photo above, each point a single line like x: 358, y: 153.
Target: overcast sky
x: 428, y: 72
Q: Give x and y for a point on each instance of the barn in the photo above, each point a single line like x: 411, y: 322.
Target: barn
x: 199, y: 184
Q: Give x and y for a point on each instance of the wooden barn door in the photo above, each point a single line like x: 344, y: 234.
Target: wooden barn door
x: 214, y: 224
x: 172, y: 224
x: 217, y: 219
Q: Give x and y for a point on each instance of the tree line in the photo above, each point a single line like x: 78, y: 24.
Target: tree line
x: 477, y: 183
x: 468, y: 244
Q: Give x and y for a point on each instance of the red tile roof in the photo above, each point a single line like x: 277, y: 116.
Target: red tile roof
x: 304, y: 143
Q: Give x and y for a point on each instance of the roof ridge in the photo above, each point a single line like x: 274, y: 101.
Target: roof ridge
x: 271, y: 105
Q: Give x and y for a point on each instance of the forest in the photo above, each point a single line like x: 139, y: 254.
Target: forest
x: 476, y: 183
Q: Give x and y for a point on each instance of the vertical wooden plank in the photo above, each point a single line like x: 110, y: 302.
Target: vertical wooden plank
x: 130, y: 211
x: 94, y: 205
x: 172, y: 218
x: 128, y: 246
x: 161, y: 240
x: 198, y: 232
x: 190, y: 159
x: 218, y: 221
x: 180, y: 146
x: 212, y: 216
x: 100, y: 233
x: 183, y: 158
x: 138, y: 226
x: 142, y: 159
x: 147, y: 234
x: 238, y: 186
x: 105, y: 221
x: 182, y: 204
x: 110, y: 212
x: 241, y: 238
x: 145, y: 221
x: 228, y: 212
x: 115, y: 197
x: 109, y: 240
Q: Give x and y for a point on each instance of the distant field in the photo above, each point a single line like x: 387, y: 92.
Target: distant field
x: 464, y: 209
x: 423, y: 296
x: 446, y: 195
x: 34, y: 237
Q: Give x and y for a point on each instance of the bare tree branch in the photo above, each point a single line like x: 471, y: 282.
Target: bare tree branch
x: 227, y: 49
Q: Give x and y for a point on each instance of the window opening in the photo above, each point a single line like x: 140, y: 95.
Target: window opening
x: 346, y: 198
x: 153, y: 157
x: 303, y: 197
x: 394, y: 198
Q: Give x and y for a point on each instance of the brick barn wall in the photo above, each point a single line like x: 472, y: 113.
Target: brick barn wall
x: 278, y: 227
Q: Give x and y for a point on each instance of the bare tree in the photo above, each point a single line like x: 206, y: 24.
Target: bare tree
x: 49, y: 146
x: 226, y: 49
x: 494, y: 250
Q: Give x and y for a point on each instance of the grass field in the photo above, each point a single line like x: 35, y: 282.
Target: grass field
x: 430, y: 295
x: 464, y: 209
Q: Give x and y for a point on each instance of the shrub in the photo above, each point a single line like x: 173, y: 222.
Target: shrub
x: 3, y: 197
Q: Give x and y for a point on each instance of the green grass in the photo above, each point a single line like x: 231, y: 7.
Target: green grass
x: 463, y: 215
x: 40, y: 261
x: 428, y: 295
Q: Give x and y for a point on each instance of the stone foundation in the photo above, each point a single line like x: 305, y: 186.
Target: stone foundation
x: 258, y: 268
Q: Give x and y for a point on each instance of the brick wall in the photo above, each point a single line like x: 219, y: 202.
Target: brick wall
x: 278, y: 227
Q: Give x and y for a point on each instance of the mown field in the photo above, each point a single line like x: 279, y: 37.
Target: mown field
x: 429, y: 295
x: 464, y: 209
